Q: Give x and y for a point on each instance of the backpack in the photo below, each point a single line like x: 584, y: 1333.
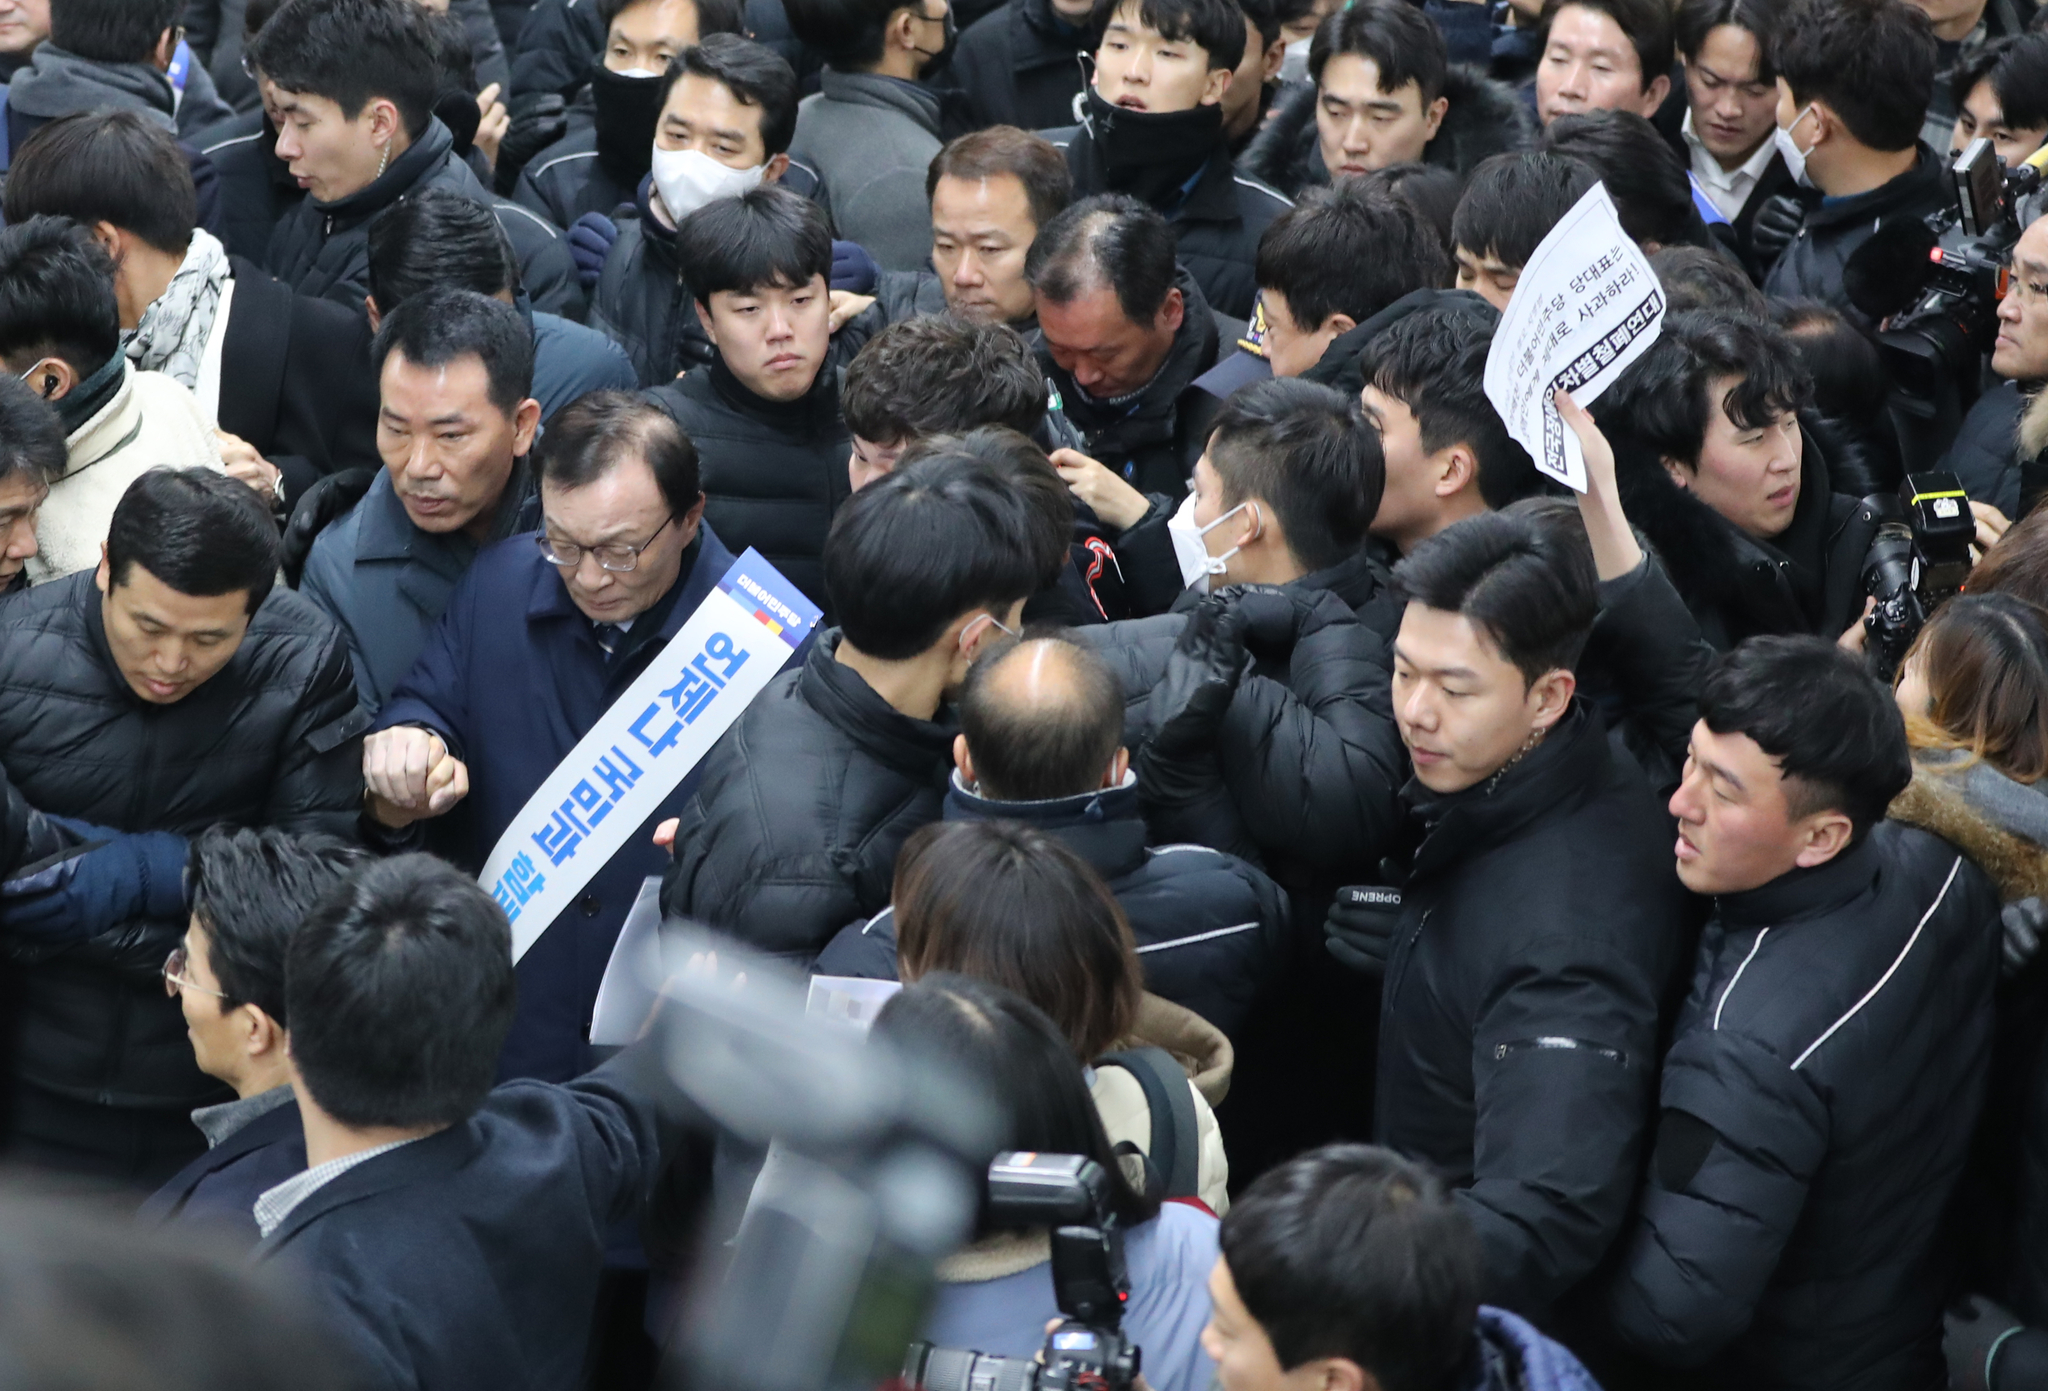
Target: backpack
x: 1175, y: 1152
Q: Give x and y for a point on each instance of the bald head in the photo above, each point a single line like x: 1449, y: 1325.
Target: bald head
x: 1041, y: 720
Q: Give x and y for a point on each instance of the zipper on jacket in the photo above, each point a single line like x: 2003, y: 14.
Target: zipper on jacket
x: 1558, y: 1043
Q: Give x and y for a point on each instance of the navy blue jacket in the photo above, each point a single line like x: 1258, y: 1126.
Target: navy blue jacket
x: 511, y: 678
x: 470, y: 1258
x: 221, y: 1186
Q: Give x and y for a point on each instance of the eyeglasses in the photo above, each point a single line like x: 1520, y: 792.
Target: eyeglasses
x: 174, y: 975
x: 615, y: 556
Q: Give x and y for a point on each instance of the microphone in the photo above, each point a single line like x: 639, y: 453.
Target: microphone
x: 1890, y: 270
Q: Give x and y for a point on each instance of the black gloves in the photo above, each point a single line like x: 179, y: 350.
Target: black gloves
x: 1200, y: 678
x: 1774, y: 227
x: 1360, y: 928
x: 327, y: 499
x: 539, y: 119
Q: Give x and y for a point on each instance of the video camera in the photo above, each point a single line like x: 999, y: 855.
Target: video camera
x: 1087, y: 1351
x: 1955, y: 266
x: 1919, y: 560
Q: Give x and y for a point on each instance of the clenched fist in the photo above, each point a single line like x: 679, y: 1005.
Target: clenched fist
x: 411, y: 775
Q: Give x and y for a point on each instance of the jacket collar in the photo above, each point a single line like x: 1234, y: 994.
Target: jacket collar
x: 912, y: 99
x: 419, y: 159
x: 422, y: 1161
x: 1358, y: 580
x: 1338, y: 366
x: 1925, y: 181
x: 917, y: 749
x: 57, y: 83
x: 1550, y: 781
x: 1103, y: 827
x: 1804, y: 893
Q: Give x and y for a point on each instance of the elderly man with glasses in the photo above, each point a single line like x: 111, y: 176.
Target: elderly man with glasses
x: 539, y: 638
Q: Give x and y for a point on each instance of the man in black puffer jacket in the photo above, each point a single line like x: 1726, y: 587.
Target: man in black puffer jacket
x: 1535, y: 934
x: 802, y: 805
x: 172, y: 691
x: 1023, y: 64
x: 1041, y: 741
x: 1337, y: 122
x: 1827, y: 1071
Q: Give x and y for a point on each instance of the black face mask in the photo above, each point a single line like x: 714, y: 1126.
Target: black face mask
x: 1152, y: 154
x: 627, y: 110
x: 940, y: 60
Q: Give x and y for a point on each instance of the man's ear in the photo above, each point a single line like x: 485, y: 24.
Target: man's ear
x: 1434, y: 117
x: 1678, y: 473
x: 901, y: 30
x: 1119, y: 768
x: 1171, y: 312
x: 525, y: 422
x: 109, y: 237
x: 262, y: 1036
x: 103, y: 577
x: 1337, y: 325
x: 1655, y: 93
x: 775, y: 168
x: 165, y: 50
x: 963, y: 760
x: 376, y: 315
x: 1336, y: 1374
x: 1550, y: 695
x: 51, y: 378
x: 1275, y: 59
x: 704, y: 319
x: 1217, y: 84
x: 1822, y: 836
x: 385, y: 121
x: 1457, y: 470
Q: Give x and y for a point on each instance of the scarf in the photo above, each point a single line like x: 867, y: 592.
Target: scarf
x: 172, y: 335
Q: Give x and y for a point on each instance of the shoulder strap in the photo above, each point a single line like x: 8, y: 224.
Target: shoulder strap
x: 1176, y: 1150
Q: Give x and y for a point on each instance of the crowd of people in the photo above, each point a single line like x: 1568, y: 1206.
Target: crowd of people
x: 1489, y: 936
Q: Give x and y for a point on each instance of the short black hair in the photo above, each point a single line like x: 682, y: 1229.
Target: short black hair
x: 1402, y: 42
x: 1821, y: 716
x: 250, y: 890
x: 401, y: 991
x: 1645, y: 23
x: 713, y: 16
x: 197, y: 531
x: 1038, y: 750
x: 1265, y: 18
x: 940, y: 374
x: 766, y: 236
x: 437, y: 237
x: 1871, y: 61
x: 1434, y: 363
x: 1217, y: 26
x: 107, y: 166
x: 2017, y: 68
x: 1306, y: 451
x: 1031, y: 160
x: 588, y: 437
x: 1352, y: 1251
x: 1348, y: 250
x: 912, y: 552
x: 1431, y: 190
x: 31, y: 435
x: 1698, y: 18
x: 1513, y: 200
x: 353, y: 51
x: 1112, y: 240
x: 848, y: 34
x: 1651, y: 191
x: 56, y: 296
x: 1662, y: 405
x: 755, y: 74
x: 112, y: 31
x: 1696, y: 278
x: 1020, y: 460
x: 435, y: 327
x: 1524, y: 585
x: 1840, y: 360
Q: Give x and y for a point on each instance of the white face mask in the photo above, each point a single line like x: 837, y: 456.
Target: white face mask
x: 1197, y: 566
x: 688, y: 179
x: 1789, y: 151
x: 1294, y: 66
x: 636, y: 72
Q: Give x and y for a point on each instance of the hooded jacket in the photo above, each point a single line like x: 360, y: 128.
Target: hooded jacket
x: 1818, y: 1101
x: 1812, y: 266
x: 1150, y: 437
x: 871, y: 138
x: 1484, y: 118
x: 59, y: 83
x: 1021, y: 66
x: 1217, y: 221
x: 801, y: 807
x: 1539, y: 936
x: 273, y: 739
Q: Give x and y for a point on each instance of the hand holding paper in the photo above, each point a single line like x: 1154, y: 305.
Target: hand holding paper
x: 1615, y: 552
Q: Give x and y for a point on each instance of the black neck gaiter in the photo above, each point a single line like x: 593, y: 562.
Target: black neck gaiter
x: 627, y: 110
x: 1152, y: 155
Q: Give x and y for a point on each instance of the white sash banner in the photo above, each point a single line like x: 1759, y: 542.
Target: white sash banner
x: 744, y: 632
x: 1586, y: 306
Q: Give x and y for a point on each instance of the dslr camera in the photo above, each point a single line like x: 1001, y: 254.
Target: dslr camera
x: 1919, y: 559
x: 1087, y: 1350
x: 1935, y: 349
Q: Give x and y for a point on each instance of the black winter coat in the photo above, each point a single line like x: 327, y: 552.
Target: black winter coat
x: 1484, y: 118
x: 256, y: 187
x: 801, y: 807
x: 1307, y: 756
x: 1812, y: 266
x: 1020, y: 65
x: 569, y: 179
x: 1540, y: 934
x: 1153, y: 443
x: 1818, y: 1102
x: 1986, y: 452
x: 774, y: 471
x: 274, y: 739
x: 1212, y: 931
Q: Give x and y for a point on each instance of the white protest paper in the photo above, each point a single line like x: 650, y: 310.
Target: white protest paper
x: 1587, y: 306
x: 851, y: 1000
x: 633, y: 977
x: 659, y: 728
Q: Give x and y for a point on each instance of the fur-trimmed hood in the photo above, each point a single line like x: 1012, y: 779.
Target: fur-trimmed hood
x: 1485, y: 118
x: 1936, y: 801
